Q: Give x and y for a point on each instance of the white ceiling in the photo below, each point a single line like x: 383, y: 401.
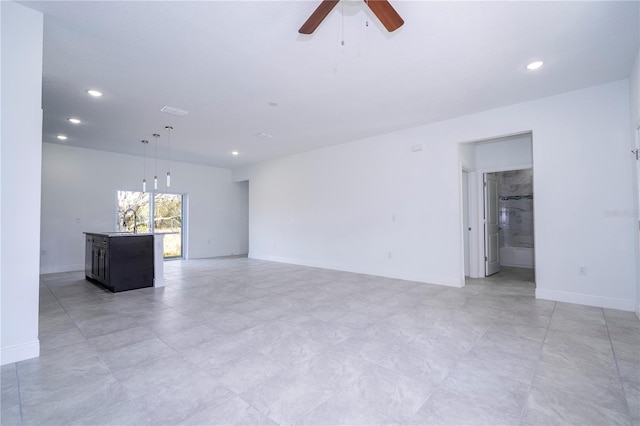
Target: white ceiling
x: 225, y: 61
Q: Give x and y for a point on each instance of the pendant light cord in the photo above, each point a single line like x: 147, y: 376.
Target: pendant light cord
x: 155, y: 167
x: 342, y: 23
x: 169, y: 129
x: 144, y: 160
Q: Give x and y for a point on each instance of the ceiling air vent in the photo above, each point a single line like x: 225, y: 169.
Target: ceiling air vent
x: 174, y: 110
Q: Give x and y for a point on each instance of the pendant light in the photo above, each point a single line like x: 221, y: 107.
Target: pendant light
x: 144, y: 169
x: 169, y: 129
x: 155, y: 175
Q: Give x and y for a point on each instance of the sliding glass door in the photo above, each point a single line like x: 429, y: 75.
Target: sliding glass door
x: 160, y: 213
x: 167, y: 219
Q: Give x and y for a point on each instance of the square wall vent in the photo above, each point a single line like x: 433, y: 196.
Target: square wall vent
x: 174, y: 110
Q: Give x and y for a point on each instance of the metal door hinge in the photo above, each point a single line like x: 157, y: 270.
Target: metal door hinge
x: 636, y: 152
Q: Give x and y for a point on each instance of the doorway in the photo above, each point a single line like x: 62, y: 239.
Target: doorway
x: 497, y: 205
x: 508, y: 206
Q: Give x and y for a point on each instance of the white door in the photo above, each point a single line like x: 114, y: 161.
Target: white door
x: 491, y: 225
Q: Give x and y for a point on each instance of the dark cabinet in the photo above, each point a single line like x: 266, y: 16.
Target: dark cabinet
x: 119, y: 261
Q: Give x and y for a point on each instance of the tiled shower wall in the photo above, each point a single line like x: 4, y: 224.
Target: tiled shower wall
x: 516, y: 208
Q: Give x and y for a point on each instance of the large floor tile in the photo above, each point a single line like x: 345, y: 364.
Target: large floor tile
x: 587, y: 384
x: 522, y: 347
x: 335, y: 368
x: 233, y: 412
x: 118, y: 339
x: 578, y: 350
x: 392, y: 394
x: 10, y: 396
x: 71, y: 405
x: 241, y: 341
x: 344, y: 410
x: 56, y: 361
x: 188, y: 337
x: 501, y: 363
x: 246, y: 371
x: 552, y: 406
x: 446, y: 408
x: 426, y: 365
x: 286, y: 397
x: 136, y: 353
x: 494, y: 391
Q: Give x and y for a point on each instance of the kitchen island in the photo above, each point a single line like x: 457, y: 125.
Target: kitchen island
x: 120, y: 260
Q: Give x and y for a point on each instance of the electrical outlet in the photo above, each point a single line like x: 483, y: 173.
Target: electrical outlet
x: 43, y: 252
x: 582, y: 270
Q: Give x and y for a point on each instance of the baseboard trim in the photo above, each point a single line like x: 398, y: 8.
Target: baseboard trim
x: 20, y: 352
x: 61, y: 268
x: 587, y: 299
x: 444, y: 281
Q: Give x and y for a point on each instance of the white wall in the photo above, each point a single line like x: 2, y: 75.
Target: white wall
x: 634, y: 102
x: 79, y: 189
x: 21, y: 136
x: 334, y: 207
x: 506, y: 153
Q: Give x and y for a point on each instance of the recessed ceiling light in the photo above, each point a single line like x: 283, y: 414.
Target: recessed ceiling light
x: 62, y: 137
x: 535, y: 65
x: 235, y: 153
x: 94, y: 93
x: 74, y: 120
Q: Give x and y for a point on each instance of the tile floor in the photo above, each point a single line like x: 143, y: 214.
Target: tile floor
x: 239, y: 341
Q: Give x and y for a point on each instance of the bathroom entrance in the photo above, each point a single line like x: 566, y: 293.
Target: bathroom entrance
x: 497, y: 198
x: 508, y: 206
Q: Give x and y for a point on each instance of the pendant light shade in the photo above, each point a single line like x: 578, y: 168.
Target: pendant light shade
x: 169, y: 129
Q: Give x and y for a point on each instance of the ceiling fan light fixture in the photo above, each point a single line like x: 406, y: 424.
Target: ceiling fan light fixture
x: 535, y: 65
x: 383, y: 10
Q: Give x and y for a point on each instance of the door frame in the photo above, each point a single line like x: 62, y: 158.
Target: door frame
x: 636, y: 174
x: 184, y: 222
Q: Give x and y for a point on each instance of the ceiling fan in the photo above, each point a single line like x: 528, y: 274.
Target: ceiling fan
x: 381, y: 8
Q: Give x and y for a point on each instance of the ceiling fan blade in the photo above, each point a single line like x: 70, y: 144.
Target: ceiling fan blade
x: 386, y: 14
x: 317, y: 16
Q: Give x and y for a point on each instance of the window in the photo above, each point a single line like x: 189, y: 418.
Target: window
x: 159, y: 213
